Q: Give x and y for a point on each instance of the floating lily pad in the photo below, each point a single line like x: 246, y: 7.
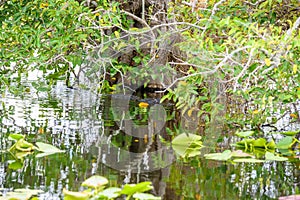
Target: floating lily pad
x: 110, y: 193
x: 130, y: 189
x: 224, y: 156
x: 47, y: 149
x: 95, y: 182
x: 187, y: 145
x: 248, y: 160
x: 69, y: 195
x: 241, y: 154
x: 271, y: 156
x: 16, y: 136
x: 145, y: 196
x: 23, y: 145
x: 20, y: 194
x: 285, y: 142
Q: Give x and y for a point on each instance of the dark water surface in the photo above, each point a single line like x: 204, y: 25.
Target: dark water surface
x: 88, y: 127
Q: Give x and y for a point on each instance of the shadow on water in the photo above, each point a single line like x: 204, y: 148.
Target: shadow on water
x: 108, y: 136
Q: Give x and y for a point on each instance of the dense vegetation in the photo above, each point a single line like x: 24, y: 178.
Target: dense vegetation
x: 246, y: 49
x: 220, y: 62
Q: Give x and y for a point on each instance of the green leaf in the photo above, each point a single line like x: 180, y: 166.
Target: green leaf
x: 95, y: 182
x: 285, y: 142
x: 145, y: 196
x: 224, y: 156
x: 183, y: 143
x: 48, y: 148
x: 271, y: 145
x: 110, y: 193
x: 244, y: 133
x: 17, y: 164
x: 130, y: 189
x: 16, y: 136
x: 240, y: 154
x: 260, y: 143
x: 248, y: 160
x: 69, y: 195
x: 290, y: 133
x: 23, y: 145
x: 271, y: 156
x: 22, y: 194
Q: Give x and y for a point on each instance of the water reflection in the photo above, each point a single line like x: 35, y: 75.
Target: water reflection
x: 95, y: 137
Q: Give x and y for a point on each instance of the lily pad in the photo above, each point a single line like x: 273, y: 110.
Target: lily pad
x: 130, y: 189
x: 271, y: 156
x: 16, y: 136
x: 48, y: 149
x: 241, y: 154
x: 145, y: 196
x: 285, y: 142
x: 20, y: 194
x: 110, y: 193
x: 248, y: 160
x: 23, y: 145
x: 225, y: 155
x: 69, y: 195
x: 95, y: 182
x: 185, y: 144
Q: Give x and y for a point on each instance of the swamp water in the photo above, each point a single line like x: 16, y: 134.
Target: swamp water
x: 87, y: 127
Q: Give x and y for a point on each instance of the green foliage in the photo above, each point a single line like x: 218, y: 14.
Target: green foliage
x: 22, y: 148
x: 21, y: 194
x: 254, y: 48
x: 187, y: 145
x: 95, y: 185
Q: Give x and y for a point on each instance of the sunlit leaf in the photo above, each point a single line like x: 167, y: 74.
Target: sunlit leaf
x: 17, y: 164
x: 145, y: 196
x: 95, y: 181
x: 130, y: 189
x: 69, y: 195
x: 260, y: 143
x: 16, y: 136
x: 271, y: 145
x: 271, y: 156
x: 285, y: 142
x: 182, y: 142
x: 23, y: 145
x: 21, y: 194
x: 248, y: 160
x: 240, y: 154
x: 244, y: 133
x: 290, y: 133
x: 48, y: 148
x: 110, y: 193
x: 225, y: 155
x: 22, y: 154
